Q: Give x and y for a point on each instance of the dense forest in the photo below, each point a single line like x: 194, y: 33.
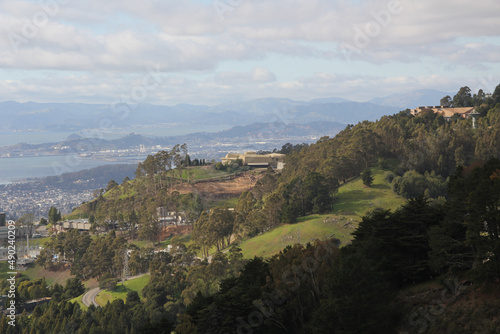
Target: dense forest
x: 448, y: 232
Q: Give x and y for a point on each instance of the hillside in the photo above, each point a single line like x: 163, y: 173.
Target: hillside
x: 121, y: 290
x: 352, y: 202
x: 208, y: 184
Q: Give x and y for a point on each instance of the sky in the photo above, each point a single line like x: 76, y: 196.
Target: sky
x: 209, y: 52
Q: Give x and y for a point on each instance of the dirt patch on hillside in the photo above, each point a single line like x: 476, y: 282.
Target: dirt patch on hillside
x: 222, y: 188
x: 58, y: 274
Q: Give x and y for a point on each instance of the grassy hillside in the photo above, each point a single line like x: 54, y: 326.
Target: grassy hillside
x: 51, y: 276
x: 121, y: 290
x: 353, y: 201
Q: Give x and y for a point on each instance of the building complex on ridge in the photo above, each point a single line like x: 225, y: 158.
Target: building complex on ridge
x: 252, y: 159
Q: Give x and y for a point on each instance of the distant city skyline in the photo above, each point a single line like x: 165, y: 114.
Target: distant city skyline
x: 211, y: 52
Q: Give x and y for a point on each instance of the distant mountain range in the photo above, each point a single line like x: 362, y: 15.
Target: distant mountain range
x: 423, y: 97
x: 77, y: 116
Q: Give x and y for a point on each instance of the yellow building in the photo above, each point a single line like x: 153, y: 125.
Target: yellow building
x: 275, y: 160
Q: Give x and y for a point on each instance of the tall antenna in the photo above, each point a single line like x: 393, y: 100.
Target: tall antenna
x: 126, y: 270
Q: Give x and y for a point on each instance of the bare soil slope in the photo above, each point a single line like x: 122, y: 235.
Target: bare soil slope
x: 219, y: 188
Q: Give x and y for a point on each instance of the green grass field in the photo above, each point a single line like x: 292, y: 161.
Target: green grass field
x: 136, y: 284
x: 231, y: 202
x: 306, y: 230
x: 41, y: 241
x: 203, y: 173
x: 354, y: 198
x: 353, y: 201
x: 185, y: 239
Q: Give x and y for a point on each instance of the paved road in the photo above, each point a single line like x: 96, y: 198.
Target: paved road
x: 89, y: 297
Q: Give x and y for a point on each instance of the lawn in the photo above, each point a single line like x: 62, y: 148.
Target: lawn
x: 231, y: 202
x: 307, y: 229
x: 121, y: 290
x: 40, y: 241
x: 185, y: 239
x: 353, y: 201
x: 203, y: 173
x: 354, y: 198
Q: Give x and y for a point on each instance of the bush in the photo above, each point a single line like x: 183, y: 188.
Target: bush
x: 389, y: 176
x: 413, y: 184
x: 107, y: 282
x: 383, y: 163
x: 74, y: 288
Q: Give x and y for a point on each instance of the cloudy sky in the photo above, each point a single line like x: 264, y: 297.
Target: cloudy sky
x: 208, y: 52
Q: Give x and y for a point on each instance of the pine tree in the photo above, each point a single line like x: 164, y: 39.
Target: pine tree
x: 367, y: 177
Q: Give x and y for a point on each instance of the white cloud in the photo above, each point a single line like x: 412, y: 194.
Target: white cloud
x: 103, y: 42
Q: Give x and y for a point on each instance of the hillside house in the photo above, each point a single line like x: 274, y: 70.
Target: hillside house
x: 79, y: 224
x: 169, y: 217
x: 252, y: 159
x: 447, y: 112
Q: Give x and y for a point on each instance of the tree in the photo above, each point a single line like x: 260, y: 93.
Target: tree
x: 74, y: 288
x: 187, y: 161
x: 367, y: 177
x: 399, y: 241
x: 356, y: 289
x: 133, y: 298
x: 496, y: 95
x: 149, y: 229
x: 54, y: 215
x: 111, y: 185
x: 475, y: 194
x: 478, y: 98
x: 98, y: 193
x: 463, y: 98
x: 220, y: 166
x: 446, y: 101
x: 27, y: 220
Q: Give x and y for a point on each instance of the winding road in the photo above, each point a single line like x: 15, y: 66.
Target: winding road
x: 89, y: 297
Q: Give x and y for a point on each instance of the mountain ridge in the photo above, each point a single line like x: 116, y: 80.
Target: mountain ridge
x: 34, y: 116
